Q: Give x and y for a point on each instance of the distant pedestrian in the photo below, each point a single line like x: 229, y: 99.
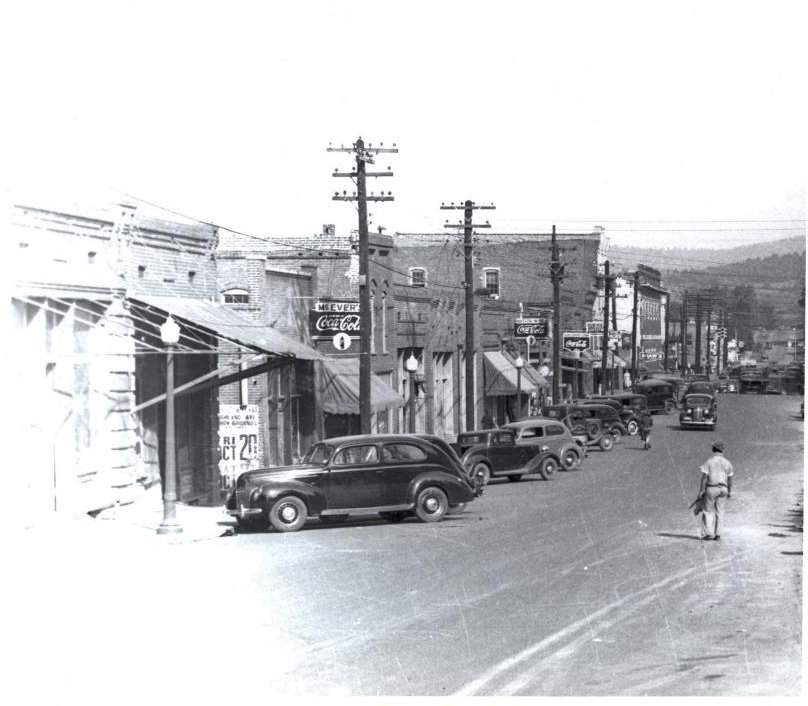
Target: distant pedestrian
x: 645, y: 424
x: 488, y: 422
x: 716, y: 484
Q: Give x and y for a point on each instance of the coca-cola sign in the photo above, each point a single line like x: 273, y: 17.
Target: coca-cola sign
x: 523, y: 328
x: 575, y: 341
x: 330, y: 318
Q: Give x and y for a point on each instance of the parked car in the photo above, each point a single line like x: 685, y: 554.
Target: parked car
x: 660, y: 395
x: 722, y: 382
x: 732, y: 386
x: 631, y: 407
x: 554, y: 436
x: 583, y: 423
x: 697, y: 377
x: 489, y: 453
x: 394, y: 475
x: 699, y: 410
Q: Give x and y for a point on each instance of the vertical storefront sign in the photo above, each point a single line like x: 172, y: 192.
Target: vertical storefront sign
x: 238, y: 441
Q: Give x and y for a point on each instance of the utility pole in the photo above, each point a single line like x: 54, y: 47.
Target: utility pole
x: 684, y: 332
x: 666, y: 340
x: 725, y: 351
x: 557, y: 275
x: 364, y: 155
x: 697, y: 367
x: 604, y: 356
x: 634, y: 314
x: 468, y: 257
x: 709, y: 332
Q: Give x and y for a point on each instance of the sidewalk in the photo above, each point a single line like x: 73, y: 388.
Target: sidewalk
x: 135, y: 522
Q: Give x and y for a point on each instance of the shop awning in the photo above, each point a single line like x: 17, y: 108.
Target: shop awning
x: 613, y: 361
x: 339, y: 388
x: 227, y: 324
x: 501, y: 376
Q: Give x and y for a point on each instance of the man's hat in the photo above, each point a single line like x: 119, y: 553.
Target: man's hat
x: 718, y: 446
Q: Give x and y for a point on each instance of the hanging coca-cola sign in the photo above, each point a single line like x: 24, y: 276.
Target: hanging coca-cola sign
x: 575, y: 341
x: 330, y: 318
x: 522, y: 328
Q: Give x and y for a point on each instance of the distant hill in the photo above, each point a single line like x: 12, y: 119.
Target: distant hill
x: 667, y: 259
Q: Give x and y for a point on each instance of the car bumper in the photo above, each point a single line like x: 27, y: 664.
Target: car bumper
x: 242, y: 512
x: 697, y: 423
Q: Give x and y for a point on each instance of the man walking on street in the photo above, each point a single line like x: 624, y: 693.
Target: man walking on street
x: 716, y: 484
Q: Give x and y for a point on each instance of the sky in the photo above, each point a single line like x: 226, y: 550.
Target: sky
x: 668, y: 123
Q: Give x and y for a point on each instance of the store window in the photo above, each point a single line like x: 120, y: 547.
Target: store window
x: 491, y: 282
x: 417, y: 277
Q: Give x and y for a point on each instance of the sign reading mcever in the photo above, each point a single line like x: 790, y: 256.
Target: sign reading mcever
x: 330, y: 318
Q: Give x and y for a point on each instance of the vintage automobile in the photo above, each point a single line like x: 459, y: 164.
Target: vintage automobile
x: 554, y: 436
x: 722, y: 382
x: 699, y: 411
x: 630, y: 407
x: 751, y: 380
x: 490, y: 453
x: 394, y: 475
x: 660, y: 395
x: 584, y: 423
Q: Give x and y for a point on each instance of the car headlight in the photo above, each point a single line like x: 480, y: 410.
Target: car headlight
x: 545, y: 448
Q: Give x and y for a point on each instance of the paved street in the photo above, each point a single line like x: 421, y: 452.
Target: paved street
x: 594, y: 583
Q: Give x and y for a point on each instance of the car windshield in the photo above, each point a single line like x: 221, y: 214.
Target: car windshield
x: 318, y: 454
x: 698, y: 400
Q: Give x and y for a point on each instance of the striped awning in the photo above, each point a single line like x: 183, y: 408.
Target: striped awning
x: 501, y: 376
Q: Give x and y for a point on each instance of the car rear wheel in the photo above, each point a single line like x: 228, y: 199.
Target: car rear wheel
x: 606, y: 442
x: 571, y: 460
x: 483, y: 471
x: 288, y: 514
x: 548, y: 468
x: 514, y: 477
x: 617, y: 434
x: 670, y: 405
x: 394, y: 516
x: 632, y: 428
x: 431, y: 504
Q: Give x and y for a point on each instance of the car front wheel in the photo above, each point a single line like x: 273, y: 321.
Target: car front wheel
x: 670, y: 405
x: 632, y: 428
x: 431, y: 504
x: 606, y: 442
x: 571, y: 460
x: 548, y: 468
x: 288, y: 514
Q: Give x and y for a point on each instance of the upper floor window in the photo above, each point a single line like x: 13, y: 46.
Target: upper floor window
x: 417, y: 276
x: 236, y: 296
x: 491, y: 281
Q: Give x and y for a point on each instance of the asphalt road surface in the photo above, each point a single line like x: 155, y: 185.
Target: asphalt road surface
x: 593, y: 583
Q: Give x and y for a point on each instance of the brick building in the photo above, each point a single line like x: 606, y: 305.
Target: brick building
x: 289, y: 284
x: 90, y: 288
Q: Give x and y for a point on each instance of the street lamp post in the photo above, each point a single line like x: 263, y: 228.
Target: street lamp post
x: 170, y: 335
x: 519, y: 363
x: 411, y: 364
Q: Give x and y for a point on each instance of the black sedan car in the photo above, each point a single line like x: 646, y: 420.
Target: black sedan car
x: 699, y: 411
x: 394, y: 475
x: 494, y: 452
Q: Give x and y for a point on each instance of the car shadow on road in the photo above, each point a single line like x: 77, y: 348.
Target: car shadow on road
x: 678, y: 536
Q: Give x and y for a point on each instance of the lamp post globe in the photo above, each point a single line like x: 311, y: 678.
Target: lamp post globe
x: 411, y: 365
x: 170, y: 335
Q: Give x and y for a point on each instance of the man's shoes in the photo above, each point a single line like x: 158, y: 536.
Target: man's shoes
x: 708, y: 537
x: 717, y: 537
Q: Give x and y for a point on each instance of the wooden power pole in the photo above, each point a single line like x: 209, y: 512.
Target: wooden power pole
x: 364, y: 155
x: 468, y: 257
x: 604, y: 356
x: 557, y: 276
x: 634, y: 314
